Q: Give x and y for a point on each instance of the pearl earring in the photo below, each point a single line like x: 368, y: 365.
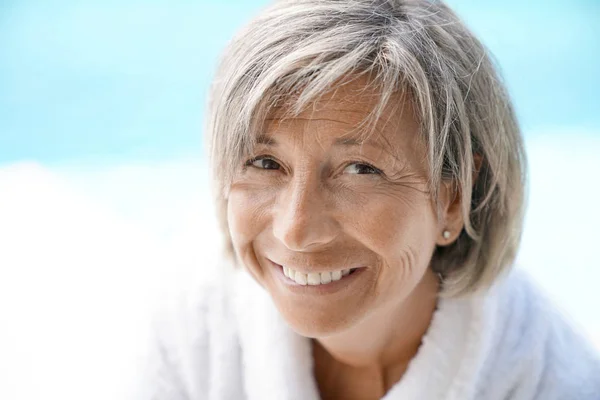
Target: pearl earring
x: 446, y: 234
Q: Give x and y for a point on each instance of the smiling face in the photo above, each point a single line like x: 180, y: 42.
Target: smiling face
x: 334, y: 227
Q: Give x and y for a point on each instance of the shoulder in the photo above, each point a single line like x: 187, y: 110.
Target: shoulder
x: 535, y: 352
x: 193, y: 337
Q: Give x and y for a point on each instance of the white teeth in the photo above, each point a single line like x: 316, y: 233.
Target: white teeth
x: 325, y: 277
x: 300, y: 278
x: 314, y: 278
x: 336, y: 276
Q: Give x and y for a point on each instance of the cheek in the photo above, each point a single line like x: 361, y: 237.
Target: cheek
x: 247, y: 216
x: 404, y: 244
x: 241, y: 216
x: 401, y: 232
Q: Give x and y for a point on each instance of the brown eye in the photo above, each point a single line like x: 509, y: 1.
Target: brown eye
x: 361, y: 169
x: 263, y: 163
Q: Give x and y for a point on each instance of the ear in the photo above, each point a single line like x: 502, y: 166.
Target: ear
x: 451, y: 224
x: 451, y: 221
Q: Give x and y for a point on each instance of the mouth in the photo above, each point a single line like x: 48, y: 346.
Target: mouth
x: 316, y: 278
x: 323, y: 278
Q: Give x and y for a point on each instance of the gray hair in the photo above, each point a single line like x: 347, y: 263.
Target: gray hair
x: 296, y: 50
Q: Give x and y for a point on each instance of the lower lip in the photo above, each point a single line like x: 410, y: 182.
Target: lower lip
x: 332, y: 287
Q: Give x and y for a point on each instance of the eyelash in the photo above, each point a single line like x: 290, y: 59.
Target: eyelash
x: 376, y: 170
x: 251, y: 161
x: 257, y: 158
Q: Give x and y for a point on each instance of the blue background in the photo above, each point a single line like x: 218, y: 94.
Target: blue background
x: 126, y: 80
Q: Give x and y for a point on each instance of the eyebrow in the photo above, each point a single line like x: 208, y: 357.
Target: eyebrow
x: 353, y: 141
x: 267, y: 140
x: 348, y: 141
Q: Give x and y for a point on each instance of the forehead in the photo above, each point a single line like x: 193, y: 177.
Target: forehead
x: 355, y: 100
x: 349, y: 111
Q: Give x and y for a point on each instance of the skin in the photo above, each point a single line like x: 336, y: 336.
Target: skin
x: 319, y: 199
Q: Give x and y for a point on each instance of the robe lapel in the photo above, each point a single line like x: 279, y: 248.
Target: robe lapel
x: 277, y: 362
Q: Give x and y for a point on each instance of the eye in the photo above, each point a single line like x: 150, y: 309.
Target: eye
x: 263, y: 162
x: 361, y: 169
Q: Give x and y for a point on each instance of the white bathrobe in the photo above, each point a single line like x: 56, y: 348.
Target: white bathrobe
x: 226, y: 340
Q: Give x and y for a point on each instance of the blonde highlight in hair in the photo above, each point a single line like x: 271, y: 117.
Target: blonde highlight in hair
x: 295, y: 51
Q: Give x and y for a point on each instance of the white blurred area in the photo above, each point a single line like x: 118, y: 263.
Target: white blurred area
x: 84, y: 251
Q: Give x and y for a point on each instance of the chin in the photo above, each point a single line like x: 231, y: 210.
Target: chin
x: 322, y: 310
x: 318, y: 321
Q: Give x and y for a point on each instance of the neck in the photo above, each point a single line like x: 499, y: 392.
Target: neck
x: 384, y: 343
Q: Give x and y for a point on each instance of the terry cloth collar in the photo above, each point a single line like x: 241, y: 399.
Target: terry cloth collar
x: 277, y: 362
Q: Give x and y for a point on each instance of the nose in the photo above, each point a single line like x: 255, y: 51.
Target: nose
x: 302, y: 221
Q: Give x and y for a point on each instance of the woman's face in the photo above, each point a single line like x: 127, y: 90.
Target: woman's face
x: 332, y: 227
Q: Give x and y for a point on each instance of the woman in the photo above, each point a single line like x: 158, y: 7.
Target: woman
x: 370, y: 179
